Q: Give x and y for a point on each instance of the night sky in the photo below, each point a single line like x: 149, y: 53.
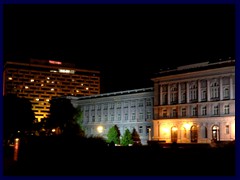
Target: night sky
x: 127, y: 43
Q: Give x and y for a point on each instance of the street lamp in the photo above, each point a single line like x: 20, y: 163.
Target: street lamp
x: 100, y: 129
x: 149, y: 134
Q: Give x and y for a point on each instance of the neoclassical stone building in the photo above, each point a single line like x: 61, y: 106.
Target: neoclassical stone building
x: 195, y: 103
x: 126, y: 109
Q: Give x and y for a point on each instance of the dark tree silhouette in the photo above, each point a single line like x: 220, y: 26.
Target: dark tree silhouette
x: 62, y: 115
x: 136, y: 138
x: 17, y: 115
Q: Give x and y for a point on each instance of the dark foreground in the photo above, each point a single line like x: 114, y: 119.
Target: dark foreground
x: 60, y: 158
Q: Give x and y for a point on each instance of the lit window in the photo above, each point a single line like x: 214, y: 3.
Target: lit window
x: 42, y: 84
x: 52, y: 89
x: 48, y: 78
x: 10, y: 78
x: 32, y: 80
x: 86, y: 88
x: 47, y: 100
x: 37, y: 99
x: 26, y: 87
x: 52, y: 82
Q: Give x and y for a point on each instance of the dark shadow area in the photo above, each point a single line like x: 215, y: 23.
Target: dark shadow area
x: 78, y: 156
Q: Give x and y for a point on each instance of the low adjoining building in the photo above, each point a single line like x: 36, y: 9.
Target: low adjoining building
x: 126, y: 109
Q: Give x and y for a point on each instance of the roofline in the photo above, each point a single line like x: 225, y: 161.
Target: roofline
x: 112, y: 93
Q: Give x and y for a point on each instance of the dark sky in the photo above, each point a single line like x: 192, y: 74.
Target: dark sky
x: 127, y: 43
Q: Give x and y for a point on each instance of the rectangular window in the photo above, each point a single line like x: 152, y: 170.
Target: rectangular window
x: 119, y: 117
x: 141, y: 116
x: 133, y: 116
x: 215, y: 110
x: 112, y: 117
x: 149, y: 115
x: 226, y: 109
x: 204, y: 111
x: 227, y: 129
x: 184, y: 112
x: 140, y: 129
x: 126, y: 117
x: 164, y: 113
x: 194, y: 111
x: 174, y: 112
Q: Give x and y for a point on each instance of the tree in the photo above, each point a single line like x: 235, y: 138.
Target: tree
x: 136, y: 137
x: 17, y: 116
x: 78, y: 118
x: 65, y: 117
x: 113, y: 135
x: 61, y: 113
x: 127, y: 138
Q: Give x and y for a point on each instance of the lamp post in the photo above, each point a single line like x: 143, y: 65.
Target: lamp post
x: 149, y: 134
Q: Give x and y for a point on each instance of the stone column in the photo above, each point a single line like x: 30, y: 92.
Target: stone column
x: 155, y: 130
x: 160, y: 95
x: 208, y: 90
x: 179, y: 93
x: 168, y: 95
x: 199, y: 91
x: 187, y: 91
x: 156, y: 94
x: 221, y: 89
x: 231, y: 87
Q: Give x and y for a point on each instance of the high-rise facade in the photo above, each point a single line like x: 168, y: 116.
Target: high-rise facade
x: 132, y: 109
x: 40, y: 80
x: 195, y: 103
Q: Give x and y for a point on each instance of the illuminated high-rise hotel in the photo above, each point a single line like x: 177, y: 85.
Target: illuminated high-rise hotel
x: 40, y: 80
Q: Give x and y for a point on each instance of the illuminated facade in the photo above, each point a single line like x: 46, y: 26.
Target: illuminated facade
x: 126, y: 109
x: 195, y: 103
x: 40, y: 80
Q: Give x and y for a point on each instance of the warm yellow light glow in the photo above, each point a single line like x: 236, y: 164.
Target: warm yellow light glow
x: 53, y: 130
x: 26, y: 87
x: 10, y: 78
x: 165, y: 130
x: 187, y: 126
x: 32, y: 80
x: 37, y: 99
x: 52, y: 89
x: 16, y: 140
x: 100, y: 129
x: 174, y: 129
x: 86, y: 88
